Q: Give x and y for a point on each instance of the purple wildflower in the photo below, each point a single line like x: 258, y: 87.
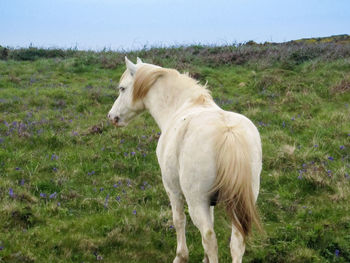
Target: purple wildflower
x: 316, y: 145
x: 133, y: 153
x: 142, y: 187
x: 122, y: 140
x: 101, y: 189
x: 1, y: 248
x: 347, y: 176
x: 11, y: 193
x: 118, y: 198
x: 171, y: 227
x: 134, y: 212
x: 54, y: 169
x: 342, y: 147
x: 300, y: 177
x: 330, y: 158
x: 58, y: 204
x: 283, y: 124
x: 115, y: 185
x: 292, y: 118
x: 43, y: 195
x: 74, y: 133
x: 17, y: 168
x: 53, y: 195
x: 106, y: 201
x: 126, y: 154
x: 336, y: 252
x: 54, y: 157
x: 22, y: 182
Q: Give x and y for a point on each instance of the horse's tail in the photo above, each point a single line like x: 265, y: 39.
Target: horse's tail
x: 233, y: 182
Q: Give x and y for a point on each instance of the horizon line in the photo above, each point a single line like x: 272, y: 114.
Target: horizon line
x: 163, y: 45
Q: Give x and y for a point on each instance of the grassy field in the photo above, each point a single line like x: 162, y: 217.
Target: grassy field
x: 75, y: 189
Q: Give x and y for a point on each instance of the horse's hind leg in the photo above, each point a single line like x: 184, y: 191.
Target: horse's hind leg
x: 179, y: 218
x: 237, y: 245
x: 201, y: 216
x: 206, y: 259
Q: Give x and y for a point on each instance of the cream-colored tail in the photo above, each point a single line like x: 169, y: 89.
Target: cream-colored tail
x: 234, y: 178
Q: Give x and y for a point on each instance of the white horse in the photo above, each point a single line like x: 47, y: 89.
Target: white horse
x: 205, y: 154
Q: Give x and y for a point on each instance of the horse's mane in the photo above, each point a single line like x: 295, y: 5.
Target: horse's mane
x: 146, y: 76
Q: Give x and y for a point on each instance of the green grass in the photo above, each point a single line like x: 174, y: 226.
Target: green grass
x: 75, y: 189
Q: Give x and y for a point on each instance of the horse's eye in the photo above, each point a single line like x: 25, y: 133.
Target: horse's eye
x: 121, y: 88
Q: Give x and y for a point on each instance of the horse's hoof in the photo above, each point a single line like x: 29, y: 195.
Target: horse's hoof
x: 180, y: 260
x: 205, y: 260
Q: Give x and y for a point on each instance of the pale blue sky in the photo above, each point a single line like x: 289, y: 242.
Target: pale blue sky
x: 131, y: 24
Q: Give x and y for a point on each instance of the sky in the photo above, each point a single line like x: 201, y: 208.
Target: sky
x: 134, y: 24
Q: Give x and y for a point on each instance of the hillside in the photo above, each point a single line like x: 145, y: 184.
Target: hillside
x: 73, y: 188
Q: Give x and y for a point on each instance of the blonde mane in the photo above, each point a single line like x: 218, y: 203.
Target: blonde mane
x: 147, y: 76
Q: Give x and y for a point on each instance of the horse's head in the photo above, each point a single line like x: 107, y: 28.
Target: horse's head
x: 125, y: 108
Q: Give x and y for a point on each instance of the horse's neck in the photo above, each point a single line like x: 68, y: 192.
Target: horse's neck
x: 164, y: 102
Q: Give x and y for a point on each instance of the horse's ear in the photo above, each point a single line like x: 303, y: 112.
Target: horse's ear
x: 139, y: 60
x: 130, y: 66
